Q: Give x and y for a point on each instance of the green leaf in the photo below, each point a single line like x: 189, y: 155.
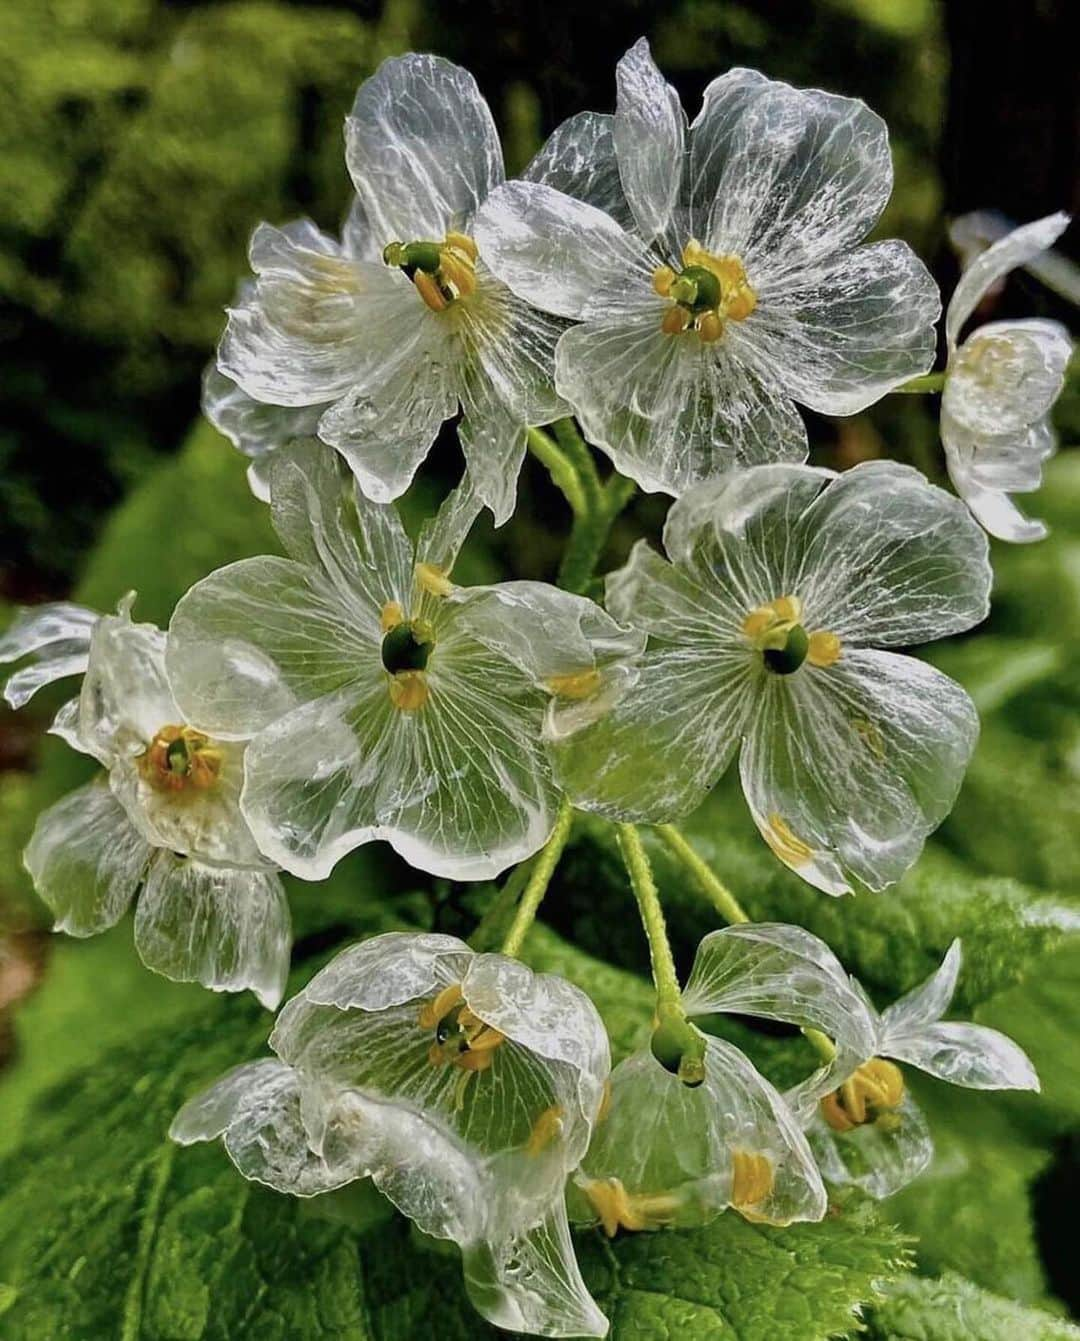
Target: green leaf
x: 952, y: 1309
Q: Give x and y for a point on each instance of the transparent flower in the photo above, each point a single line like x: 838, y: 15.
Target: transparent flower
x: 383, y: 701
x: 870, y: 1131
x: 715, y: 270
x: 999, y: 387
x: 671, y: 1153
x: 390, y: 330
x: 782, y: 582
x: 464, y: 1085
x: 212, y: 909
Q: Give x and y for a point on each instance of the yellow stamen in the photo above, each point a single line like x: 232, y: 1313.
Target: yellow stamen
x: 869, y: 1094
x: 824, y: 648
x: 788, y: 846
x: 618, y: 1209
x: 777, y: 616
x: 662, y: 280
x: 575, y: 684
x: 432, y: 1012
x: 457, y: 273
x: 547, y: 1128
x: 710, y: 327
x: 409, y: 690
x: 434, y: 579
x: 751, y: 1178
x: 391, y: 616
x: 427, y: 286
x: 178, y: 758
x: 463, y: 243
x: 675, y: 321
x: 705, y: 306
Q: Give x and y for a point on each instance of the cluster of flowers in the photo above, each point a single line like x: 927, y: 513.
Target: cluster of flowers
x: 677, y: 288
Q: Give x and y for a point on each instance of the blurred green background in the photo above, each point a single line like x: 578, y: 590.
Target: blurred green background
x: 142, y: 140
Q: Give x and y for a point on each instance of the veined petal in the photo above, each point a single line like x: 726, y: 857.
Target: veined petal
x: 125, y: 697
x: 842, y: 336
x: 1016, y: 248
x: 442, y: 536
x: 512, y: 345
x: 208, y: 1114
x: 553, y: 250
x: 86, y: 860
x: 888, y: 559
x: 316, y: 323
x: 422, y: 148
x: 492, y: 437
x: 963, y: 1054
x: 650, y: 141
x: 847, y: 769
x: 386, y: 970
x: 784, y: 177
x: 667, y: 602
x: 666, y: 740
x: 579, y: 160
x: 66, y: 725
x: 991, y: 507
x: 58, y: 637
x: 928, y: 1002
x: 1006, y: 376
x: 220, y: 926
x: 877, y: 1157
x: 529, y: 1280
x: 254, y: 428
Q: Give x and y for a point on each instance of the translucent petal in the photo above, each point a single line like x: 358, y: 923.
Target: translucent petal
x: 316, y: 323
x: 669, y: 410
x: 384, y: 971
x: 650, y: 141
x: 679, y: 1147
x: 220, y: 926
x: 209, y: 1113
x: 888, y: 559
x: 492, y: 437
x: 995, y: 512
x: 422, y: 148
x: 579, y: 160
x: 442, y: 536
x: 66, y: 725
x: 1015, y: 249
x: 784, y: 177
x: 847, y: 769
x: 553, y: 250
x: 58, y: 637
x: 125, y: 697
x: 86, y: 860
x: 874, y: 1157
x: 1006, y: 376
x: 842, y: 336
x: 255, y: 428
x: 666, y: 740
x: 782, y: 972
x: 963, y: 1054
x: 928, y: 1002
x: 530, y: 1281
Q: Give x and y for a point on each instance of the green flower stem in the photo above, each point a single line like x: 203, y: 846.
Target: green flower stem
x: 921, y: 385
x: 668, y: 994
x: 577, y: 450
x: 539, y: 879
x: 710, y: 884
x: 559, y: 466
x: 487, y: 931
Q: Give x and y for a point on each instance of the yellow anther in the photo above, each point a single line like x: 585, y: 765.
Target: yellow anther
x: 179, y: 758
x: 777, y: 616
x: 487, y: 1040
x: 618, y: 1209
x: 409, y: 690
x: 432, y: 1012
x: 741, y: 303
x: 751, y: 1178
x: 547, y: 1128
x: 463, y: 243
x: 433, y: 579
x: 575, y: 684
x: 457, y: 273
x: 662, y: 280
x: 675, y: 320
x: 710, y: 327
x: 390, y: 616
x: 869, y: 1094
x: 788, y: 847
x: 824, y: 648
x: 428, y: 288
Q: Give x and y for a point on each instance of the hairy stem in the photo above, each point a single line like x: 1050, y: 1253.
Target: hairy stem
x: 488, y: 929
x: 559, y: 466
x: 539, y: 879
x: 710, y: 884
x: 636, y: 861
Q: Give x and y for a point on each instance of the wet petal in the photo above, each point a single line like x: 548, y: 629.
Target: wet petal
x: 86, y: 860
x: 963, y: 1054
x: 1016, y: 248
x: 220, y: 926
x: 969, y: 463
x: 579, y: 160
x: 928, y: 1002
x: 847, y: 770
x: 667, y: 602
x: 384, y: 971
x: 209, y: 1113
x: 492, y: 437
x: 880, y: 1158
x: 784, y: 177
x: 125, y: 695
x: 650, y: 141
x: 1006, y: 376
x: 553, y: 250
x: 442, y: 536
x: 422, y: 148
x: 57, y: 635
x: 254, y: 428
x: 66, y: 725
x: 841, y: 337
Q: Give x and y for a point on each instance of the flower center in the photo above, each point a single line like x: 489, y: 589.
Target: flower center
x: 989, y: 359
x: 442, y: 272
x: 870, y: 1095
x: 178, y: 758
x: 462, y: 1039
x: 406, y: 648
x: 708, y: 292
x: 776, y: 632
x: 618, y: 1209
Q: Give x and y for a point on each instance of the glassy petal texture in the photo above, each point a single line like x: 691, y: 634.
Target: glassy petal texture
x: 579, y: 160
x: 650, y: 142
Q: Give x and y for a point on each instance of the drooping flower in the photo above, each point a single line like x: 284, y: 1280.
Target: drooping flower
x: 781, y: 583
x: 671, y: 1153
x: 1000, y: 385
x: 384, y: 701
x: 211, y: 909
x: 870, y: 1131
x: 388, y: 332
x: 464, y: 1085
x: 715, y: 270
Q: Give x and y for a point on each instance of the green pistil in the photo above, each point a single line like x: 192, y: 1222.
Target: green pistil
x: 696, y: 289
x: 406, y: 647
x: 789, y: 650
x: 414, y: 256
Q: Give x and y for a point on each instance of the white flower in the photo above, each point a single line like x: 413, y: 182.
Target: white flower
x: 464, y: 1085
x: 212, y: 909
x: 670, y: 1153
x: 781, y: 580
x: 999, y: 387
x: 715, y: 270
x: 383, y: 701
x: 870, y: 1131
x: 393, y: 328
